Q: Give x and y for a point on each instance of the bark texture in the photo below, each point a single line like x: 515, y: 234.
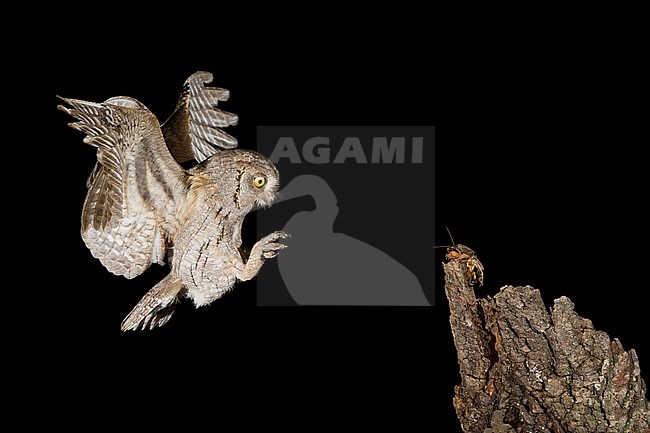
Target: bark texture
x: 527, y: 369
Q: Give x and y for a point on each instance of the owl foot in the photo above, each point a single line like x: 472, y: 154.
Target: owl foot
x: 156, y: 307
x: 265, y: 248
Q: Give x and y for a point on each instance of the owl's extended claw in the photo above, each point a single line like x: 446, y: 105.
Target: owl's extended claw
x: 265, y: 248
x: 272, y: 250
x: 269, y: 247
x: 276, y: 235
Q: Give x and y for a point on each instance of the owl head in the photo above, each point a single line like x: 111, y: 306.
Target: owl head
x: 242, y: 179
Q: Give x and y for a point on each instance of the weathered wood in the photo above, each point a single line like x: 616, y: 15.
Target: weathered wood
x: 527, y: 369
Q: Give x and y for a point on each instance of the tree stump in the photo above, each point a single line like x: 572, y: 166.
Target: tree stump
x: 527, y: 369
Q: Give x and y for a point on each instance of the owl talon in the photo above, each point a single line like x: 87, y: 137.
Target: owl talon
x: 265, y: 248
x: 276, y: 235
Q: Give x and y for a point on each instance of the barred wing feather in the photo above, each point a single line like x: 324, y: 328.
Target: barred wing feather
x: 193, y: 131
x: 135, y: 188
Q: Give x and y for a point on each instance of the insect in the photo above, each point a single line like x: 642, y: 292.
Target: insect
x: 466, y: 255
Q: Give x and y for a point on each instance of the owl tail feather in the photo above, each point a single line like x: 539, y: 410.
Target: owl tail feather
x: 156, y: 307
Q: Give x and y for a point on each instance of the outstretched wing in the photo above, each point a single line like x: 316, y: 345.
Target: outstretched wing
x: 193, y: 130
x: 134, y: 189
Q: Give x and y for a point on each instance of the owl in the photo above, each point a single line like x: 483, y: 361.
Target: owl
x: 142, y: 207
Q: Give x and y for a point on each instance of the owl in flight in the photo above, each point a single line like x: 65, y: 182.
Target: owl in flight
x: 142, y: 207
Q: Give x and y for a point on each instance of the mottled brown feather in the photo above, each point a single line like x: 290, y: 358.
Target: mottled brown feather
x: 131, y: 193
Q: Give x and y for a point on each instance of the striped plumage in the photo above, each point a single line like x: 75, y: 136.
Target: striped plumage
x: 142, y: 206
x: 192, y: 131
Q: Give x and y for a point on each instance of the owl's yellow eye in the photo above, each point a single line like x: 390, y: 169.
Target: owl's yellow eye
x: 259, y: 181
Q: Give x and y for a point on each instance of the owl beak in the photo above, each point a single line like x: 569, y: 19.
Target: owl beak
x: 287, y: 193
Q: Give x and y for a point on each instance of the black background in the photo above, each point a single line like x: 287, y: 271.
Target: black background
x: 538, y: 169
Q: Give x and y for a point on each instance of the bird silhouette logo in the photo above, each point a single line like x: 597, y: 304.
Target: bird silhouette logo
x: 322, y: 267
